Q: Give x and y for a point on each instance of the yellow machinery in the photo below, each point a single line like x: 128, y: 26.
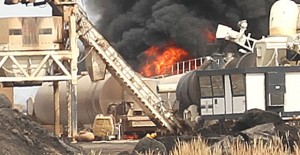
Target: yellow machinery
x: 104, y: 126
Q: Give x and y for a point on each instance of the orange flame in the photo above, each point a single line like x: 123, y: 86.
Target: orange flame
x: 160, y: 60
x: 210, y: 36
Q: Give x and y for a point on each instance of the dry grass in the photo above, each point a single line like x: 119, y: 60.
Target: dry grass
x: 259, y: 147
x: 274, y: 147
x: 195, y: 147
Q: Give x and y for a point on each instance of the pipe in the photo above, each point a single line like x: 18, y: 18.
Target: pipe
x: 166, y: 88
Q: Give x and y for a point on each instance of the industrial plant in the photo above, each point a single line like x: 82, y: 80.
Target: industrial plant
x: 171, y: 93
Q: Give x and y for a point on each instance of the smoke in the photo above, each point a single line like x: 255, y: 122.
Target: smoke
x: 132, y: 26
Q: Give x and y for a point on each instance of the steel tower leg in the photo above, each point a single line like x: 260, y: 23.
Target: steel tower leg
x: 69, y: 110
x: 74, y: 70
x: 56, y: 108
x: 74, y: 115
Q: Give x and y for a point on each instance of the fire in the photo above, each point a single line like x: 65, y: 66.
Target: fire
x: 160, y: 60
x: 210, y: 36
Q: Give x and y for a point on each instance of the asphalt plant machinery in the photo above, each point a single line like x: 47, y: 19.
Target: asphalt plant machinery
x: 32, y: 54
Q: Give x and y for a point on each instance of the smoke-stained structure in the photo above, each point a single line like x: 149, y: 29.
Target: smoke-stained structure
x: 133, y: 26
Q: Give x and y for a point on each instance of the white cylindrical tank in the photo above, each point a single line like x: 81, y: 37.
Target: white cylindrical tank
x: 166, y: 88
x: 169, y: 97
x: 283, y: 18
x: 93, y: 98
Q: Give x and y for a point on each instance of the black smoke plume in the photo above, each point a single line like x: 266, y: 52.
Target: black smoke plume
x: 132, y: 26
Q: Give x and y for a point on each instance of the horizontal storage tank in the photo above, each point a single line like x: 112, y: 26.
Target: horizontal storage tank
x: 188, y: 88
x: 169, y: 96
x: 188, y: 92
x: 284, y: 18
x: 246, y: 61
x: 93, y: 98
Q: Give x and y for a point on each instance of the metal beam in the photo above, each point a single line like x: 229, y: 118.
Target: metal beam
x: 69, y: 110
x: 37, y: 70
x: 14, y: 60
x: 62, y: 67
x: 56, y: 108
x: 3, y: 60
x: 35, y: 53
x: 41, y: 78
x: 75, y: 53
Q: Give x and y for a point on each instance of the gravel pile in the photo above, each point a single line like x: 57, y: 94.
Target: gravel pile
x: 19, y: 135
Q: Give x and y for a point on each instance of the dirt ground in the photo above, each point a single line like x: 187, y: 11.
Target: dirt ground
x: 19, y: 135
x: 108, y: 147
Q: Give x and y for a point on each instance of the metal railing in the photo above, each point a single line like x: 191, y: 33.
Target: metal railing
x: 184, y: 66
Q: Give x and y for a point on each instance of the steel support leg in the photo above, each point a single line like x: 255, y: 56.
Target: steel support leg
x: 74, y: 69
x: 69, y: 110
x: 74, y: 109
x: 56, y: 108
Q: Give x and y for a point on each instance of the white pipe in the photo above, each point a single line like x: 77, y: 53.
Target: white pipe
x: 166, y: 88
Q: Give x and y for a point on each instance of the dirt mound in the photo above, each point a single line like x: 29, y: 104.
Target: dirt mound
x: 161, y: 145
x: 263, y: 124
x: 289, y: 134
x: 4, y: 102
x: 267, y: 126
x: 147, y: 145
x: 254, y: 117
x: 19, y: 135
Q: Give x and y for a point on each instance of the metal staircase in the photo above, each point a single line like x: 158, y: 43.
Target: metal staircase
x: 117, y: 66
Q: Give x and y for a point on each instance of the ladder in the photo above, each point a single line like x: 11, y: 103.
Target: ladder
x: 125, y: 75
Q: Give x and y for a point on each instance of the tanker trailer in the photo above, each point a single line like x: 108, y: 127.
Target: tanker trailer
x: 93, y: 98
x: 187, y: 91
x: 106, y: 97
x: 194, y: 93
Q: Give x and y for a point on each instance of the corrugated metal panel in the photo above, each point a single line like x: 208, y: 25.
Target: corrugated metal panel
x: 4, y: 36
x: 58, y: 27
x: 33, y: 33
x: 30, y: 31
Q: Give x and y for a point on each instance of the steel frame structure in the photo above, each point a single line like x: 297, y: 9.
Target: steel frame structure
x: 67, y: 71
x: 78, y: 26
x: 56, y: 57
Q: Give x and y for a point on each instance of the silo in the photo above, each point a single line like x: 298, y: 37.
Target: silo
x: 283, y: 18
